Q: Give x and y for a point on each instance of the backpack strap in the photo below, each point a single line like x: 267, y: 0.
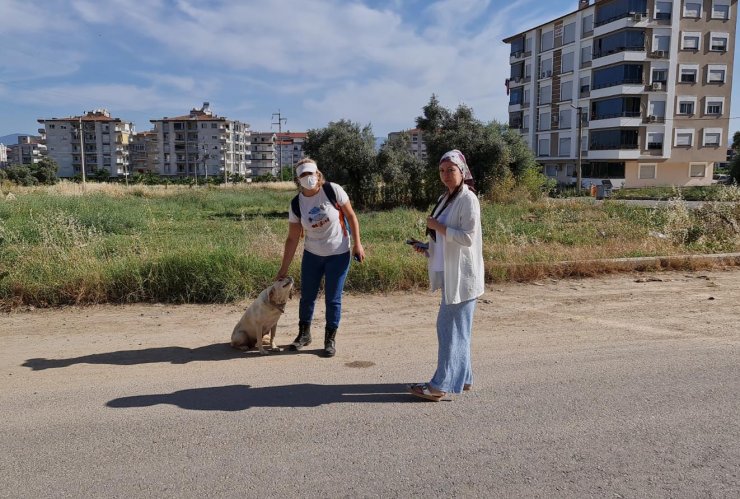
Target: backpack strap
x: 296, y: 207
x: 332, y: 195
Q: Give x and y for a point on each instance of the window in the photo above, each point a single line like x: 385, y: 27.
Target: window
x: 714, y: 105
x: 545, y: 94
x: 656, y: 108
x: 716, y: 73
x: 647, y: 172
x: 692, y: 9
x: 687, y: 74
x: 566, y: 63
x: 655, y: 140
x: 660, y: 75
x: 566, y: 90
x: 585, y: 85
x: 690, y: 41
x: 617, y: 75
x: 588, y: 24
x: 712, y: 137
x: 720, y: 9
x: 569, y: 33
x: 662, y: 42
x: 685, y: 105
x: 551, y: 170
x: 620, y: 41
x: 547, y: 42
x: 585, y: 55
x: 564, y: 147
x: 697, y: 170
x: 718, y: 42
x: 544, y: 121
x: 214, y: 125
x: 564, y: 119
x: 545, y: 68
x: 684, y: 137
x: 543, y: 147
x: 663, y: 10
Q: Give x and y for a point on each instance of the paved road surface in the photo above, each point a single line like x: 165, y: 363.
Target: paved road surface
x: 624, y: 386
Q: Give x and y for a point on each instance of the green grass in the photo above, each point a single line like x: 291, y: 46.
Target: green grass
x: 697, y: 193
x: 219, y: 245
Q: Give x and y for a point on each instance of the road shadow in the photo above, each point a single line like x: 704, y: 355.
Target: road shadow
x: 173, y: 355
x: 242, y: 397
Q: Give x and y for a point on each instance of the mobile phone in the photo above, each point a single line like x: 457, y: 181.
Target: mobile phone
x: 412, y: 241
x: 356, y: 257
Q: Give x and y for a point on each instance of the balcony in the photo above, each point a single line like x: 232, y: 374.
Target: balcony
x: 632, y: 17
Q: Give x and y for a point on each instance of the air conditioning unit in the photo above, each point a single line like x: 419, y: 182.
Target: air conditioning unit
x: 657, y: 85
x: 517, y: 54
x: 658, y: 53
x: 637, y: 17
x: 549, y: 73
x: 651, y: 118
x: 517, y: 79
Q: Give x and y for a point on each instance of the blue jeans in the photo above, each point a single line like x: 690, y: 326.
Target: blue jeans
x: 454, y: 330
x: 334, y: 268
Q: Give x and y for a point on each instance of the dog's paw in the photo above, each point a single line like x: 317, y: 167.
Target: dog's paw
x: 264, y: 352
x: 275, y: 348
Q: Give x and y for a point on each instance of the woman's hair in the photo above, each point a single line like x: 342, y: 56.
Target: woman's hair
x: 319, y: 175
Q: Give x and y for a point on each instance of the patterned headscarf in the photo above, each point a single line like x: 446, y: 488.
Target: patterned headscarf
x: 457, y: 157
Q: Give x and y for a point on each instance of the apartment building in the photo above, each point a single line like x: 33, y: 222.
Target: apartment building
x: 28, y: 150
x: 3, y: 155
x: 202, y: 144
x: 651, y: 80
x: 104, y: 140
x: 144, y: 152
x: 416, y: 145
x: 289, y: 148
x: 264, y: 154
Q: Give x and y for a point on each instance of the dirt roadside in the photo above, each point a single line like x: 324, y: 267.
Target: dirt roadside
x: 623, y: 385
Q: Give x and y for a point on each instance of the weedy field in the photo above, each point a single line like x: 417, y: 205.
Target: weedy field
x: 110, y: 243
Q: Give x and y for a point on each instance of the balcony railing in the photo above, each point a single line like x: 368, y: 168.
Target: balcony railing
x: 643, y: 15
x: 597, y: 55
x: 623, y: 114
x: 654, y: 145
x: 606, y: 147
x: 627, y: 81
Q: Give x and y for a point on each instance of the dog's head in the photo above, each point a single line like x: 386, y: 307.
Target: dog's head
x: 281, y: 291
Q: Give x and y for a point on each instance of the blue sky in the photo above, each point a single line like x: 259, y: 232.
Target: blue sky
x: 316, y: 61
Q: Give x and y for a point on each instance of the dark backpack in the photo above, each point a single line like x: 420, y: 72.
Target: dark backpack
x: 329, y: 191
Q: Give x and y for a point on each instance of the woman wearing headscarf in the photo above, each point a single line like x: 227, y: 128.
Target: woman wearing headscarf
x: 455, y: 262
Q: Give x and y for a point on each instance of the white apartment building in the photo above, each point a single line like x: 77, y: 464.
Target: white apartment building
x: 264, y: 154
x: 417, y: 147
x: 651, y: 78
x: 202, y: 144
x: 3, y: 155
x: 103, y: 139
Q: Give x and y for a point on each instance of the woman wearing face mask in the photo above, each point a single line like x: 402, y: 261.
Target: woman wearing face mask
x: 326, y: 250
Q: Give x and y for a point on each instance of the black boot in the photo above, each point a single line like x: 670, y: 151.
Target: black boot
x: 304, y: 337
x: 330, y: 335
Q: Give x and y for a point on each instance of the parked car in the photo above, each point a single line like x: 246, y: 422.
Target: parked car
x: 722, y: 178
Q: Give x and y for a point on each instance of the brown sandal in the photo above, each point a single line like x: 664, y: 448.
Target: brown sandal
x: 423, y: 391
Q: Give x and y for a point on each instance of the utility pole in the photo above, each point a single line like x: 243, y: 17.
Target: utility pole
x: 279, y: 123
x: 82, y: 152
x: 580, y: 148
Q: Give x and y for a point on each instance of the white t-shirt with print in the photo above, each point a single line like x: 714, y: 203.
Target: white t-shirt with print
x: 323, y: 232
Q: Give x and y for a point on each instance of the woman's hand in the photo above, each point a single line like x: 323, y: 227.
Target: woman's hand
x: 434, y: 224
x: 359, y: 252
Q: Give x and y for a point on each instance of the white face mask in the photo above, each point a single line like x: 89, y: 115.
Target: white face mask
x: 308, y: 182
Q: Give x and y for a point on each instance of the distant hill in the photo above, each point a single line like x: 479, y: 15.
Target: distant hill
x: 11, y: 139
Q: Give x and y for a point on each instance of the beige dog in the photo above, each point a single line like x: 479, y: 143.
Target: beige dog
x: 262, y: 317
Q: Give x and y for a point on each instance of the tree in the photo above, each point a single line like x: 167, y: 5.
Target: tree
x: 21, y: 175
x: 735, y: 169
x: 736, y: 142
x: 401, y: 172
x: 345, y: 153
x: 492, y: 150
x: 101, y: 175
x: 45, y: 171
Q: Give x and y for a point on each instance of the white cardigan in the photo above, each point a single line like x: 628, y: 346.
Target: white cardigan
x: 463, y: 251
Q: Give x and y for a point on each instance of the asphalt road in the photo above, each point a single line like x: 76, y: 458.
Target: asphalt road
x: 625, y: 386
